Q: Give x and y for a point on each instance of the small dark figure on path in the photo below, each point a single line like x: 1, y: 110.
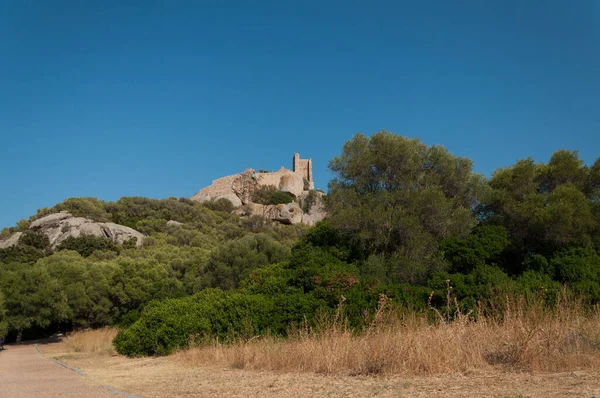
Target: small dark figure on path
x: 1, y: 343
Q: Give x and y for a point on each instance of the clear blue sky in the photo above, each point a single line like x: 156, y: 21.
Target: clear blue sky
x: 158, y: 98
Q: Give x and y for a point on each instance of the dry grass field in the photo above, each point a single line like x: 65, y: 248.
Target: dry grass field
x: 528, y: 338
x: 530, y: 352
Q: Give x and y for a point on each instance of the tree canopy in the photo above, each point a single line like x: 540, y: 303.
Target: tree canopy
x: 396, y: 196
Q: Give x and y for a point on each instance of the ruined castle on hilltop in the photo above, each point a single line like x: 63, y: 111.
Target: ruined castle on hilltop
x: 307, y: 206
x: 303, y: 167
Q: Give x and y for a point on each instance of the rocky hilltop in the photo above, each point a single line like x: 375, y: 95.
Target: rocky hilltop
x: 307, y: 206
x: 60, y: 226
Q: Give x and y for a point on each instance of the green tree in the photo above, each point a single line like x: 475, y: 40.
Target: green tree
x: 396, y: 196
x: 20, y: 254
x: 68, y: 269
x: 3, y: 319
x: 32, y: 298
x: 564, y: 167
x: 544, y: 208
x: 593, y: 187
x: 233, y: 261
x: 35, y: 239
x: 86, y: 286
x: 137, y: 281
x: 593, y: 191
x: 102, y: 300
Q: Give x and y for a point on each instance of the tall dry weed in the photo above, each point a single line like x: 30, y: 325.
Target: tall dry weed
x: 518, y: 335
x: 97, y: 341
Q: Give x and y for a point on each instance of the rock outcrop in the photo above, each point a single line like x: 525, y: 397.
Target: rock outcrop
x: 221, y: 188
x: 314, y: 203
x: 289, y: 213
x: 60, y: 226
x: 243, y: 185
x: 11, y: 241
x: 292, y: 183
x: 239, y: 189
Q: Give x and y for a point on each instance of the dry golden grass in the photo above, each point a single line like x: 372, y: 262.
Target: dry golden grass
x: 97, y: 341
x: 527, y: 337
x: 468, y: 357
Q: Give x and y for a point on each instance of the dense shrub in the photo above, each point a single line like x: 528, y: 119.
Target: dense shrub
x: 222, y: 204
x: 20, y: 254
x: 270, y: 195
x: 481, y: 247
x: 580, y: 269
x: 79, y: 207
x: 38, y: 240
x: 212, y: 313
x: 234, y: 260
x: 87, y: 244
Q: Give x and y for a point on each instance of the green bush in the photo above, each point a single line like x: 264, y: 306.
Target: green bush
x: 212, y: 313
x: 79, y: 207
x: 233, y: 261
x: 222, y: 204
x: 20, y: 254
x: 87, y: 244
x: 484, y: 283
x: 576, y: 265
x: 538, y: 283
x: 270, y: 195
x: 33, y: 239
x: 482, y: 246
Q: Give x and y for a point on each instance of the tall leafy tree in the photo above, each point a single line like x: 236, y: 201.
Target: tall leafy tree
x: 32, y: 298
x: 396, y: 196
x: 545, y: 208
x: 3, y: 320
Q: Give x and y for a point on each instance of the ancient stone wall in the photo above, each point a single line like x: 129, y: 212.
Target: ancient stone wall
x: 303, y: 167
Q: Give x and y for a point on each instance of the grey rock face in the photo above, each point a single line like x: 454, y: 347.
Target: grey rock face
x: 239, y: 188
x: 317, y: 210
x: 289, y: 213
x: 220, y: 189
x: 50, y: 221
x: 11, y: 241
x: 292, y: 183
x: 60, y: 226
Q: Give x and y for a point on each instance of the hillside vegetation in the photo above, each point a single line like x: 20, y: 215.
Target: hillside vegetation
x: 408, y: 223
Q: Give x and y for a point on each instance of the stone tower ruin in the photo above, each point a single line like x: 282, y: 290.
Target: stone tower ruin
x: 303, y: 167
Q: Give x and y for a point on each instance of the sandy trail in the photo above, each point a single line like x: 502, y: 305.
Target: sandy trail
x: 24, y: 372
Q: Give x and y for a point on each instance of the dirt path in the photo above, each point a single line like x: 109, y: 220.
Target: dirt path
x: 24, y: 372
